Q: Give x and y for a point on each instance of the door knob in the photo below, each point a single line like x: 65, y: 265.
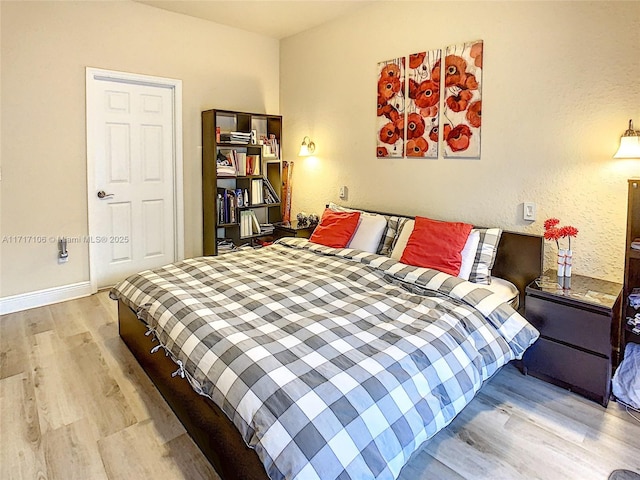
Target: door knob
x: 101, y: 194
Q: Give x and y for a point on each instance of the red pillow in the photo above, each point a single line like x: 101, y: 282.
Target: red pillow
x: 336, y: 228
x: 437, y: 245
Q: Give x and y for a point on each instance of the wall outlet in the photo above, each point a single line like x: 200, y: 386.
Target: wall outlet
x: 529, y: 211
x: 344, y: 192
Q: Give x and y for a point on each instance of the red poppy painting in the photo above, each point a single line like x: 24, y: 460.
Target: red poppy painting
x: 423, y: 103
x: 391, y: 108
x: 462, y: 111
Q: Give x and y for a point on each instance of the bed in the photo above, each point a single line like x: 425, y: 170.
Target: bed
x: 328, y: 362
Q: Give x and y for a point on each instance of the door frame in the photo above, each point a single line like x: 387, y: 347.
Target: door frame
x: 93, y: 76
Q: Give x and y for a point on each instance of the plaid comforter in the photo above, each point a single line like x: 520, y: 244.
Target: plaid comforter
x: 332, y: 363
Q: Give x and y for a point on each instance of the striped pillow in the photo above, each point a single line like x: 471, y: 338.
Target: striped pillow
x: 485, y: 256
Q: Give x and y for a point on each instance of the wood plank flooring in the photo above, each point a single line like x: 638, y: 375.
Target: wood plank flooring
x: 74, y: 404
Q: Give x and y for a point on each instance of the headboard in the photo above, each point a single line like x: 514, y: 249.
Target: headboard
x: 519, y: 259
x: 520, y: 256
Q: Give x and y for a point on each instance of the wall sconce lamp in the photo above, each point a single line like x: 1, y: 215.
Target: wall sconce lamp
x: 307, y: 148
x: 629, y: 143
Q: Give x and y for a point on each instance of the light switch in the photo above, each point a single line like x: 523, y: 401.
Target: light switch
x: 529, y: 211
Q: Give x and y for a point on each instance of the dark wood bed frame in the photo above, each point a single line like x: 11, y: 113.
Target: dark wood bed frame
x: 519, y: 260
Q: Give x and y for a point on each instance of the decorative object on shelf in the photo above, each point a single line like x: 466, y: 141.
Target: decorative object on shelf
x: 307, y: 148
x: 463, y: 100
x: 303, y: 219
x: 287, y: 174
x: 565, y: 256
x: 390, y: 109
x: 313, y: 219
x: 423, y: 103
x: 629, y: 143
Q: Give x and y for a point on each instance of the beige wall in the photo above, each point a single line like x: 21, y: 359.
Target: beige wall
x: 45, y: 47
x: 560, y: 83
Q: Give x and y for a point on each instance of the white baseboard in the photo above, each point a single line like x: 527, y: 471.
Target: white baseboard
x: 24, y: 301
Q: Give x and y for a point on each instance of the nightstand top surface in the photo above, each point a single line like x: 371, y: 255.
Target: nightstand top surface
x: 582, y: 289
x: 292, y: 226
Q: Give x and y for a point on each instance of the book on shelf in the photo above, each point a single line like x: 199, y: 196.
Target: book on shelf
x: 248, y: 224
x: 242, y: 163
x: 235, y: 137
x: 225, y: 166
x: 270, y: 195
x: 635, y: 244
x: 228, y: 206
x: 253, y: 165
x: 257, y: 193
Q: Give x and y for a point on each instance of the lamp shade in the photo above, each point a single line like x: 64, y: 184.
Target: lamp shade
x: 307, y: 148
x: 629, y: 143
x: 304, y: 150
x: 629, y: 148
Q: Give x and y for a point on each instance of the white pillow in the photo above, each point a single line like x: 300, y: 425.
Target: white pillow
x: 368, y: 233
x: 403, y: 238
x: 468, y: 252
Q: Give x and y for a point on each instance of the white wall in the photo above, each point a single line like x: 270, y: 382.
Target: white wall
x: 45, y: 47
x: 560, y: 82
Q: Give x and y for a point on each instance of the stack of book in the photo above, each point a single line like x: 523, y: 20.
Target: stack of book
x: 225, y: 166
x: 269, y: 194
x: 231, y: 163
x: 228, y: 202
x: 236, y: 137
x: 257, y: 191
x: 248, y: 224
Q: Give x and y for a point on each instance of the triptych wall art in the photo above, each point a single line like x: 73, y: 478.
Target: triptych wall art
x: 408, y: 116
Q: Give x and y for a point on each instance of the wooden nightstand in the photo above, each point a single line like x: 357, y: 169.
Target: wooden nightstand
x: 579, y: 334
x: 292, y: 229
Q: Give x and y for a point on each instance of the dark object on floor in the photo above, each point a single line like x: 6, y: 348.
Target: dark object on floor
x: 624, y: 475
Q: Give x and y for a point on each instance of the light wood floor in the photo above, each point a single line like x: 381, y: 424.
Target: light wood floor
x: 74, y: 404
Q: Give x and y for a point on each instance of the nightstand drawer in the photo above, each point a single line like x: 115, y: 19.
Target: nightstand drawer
x: 575, y: 326
x: 579, y: 371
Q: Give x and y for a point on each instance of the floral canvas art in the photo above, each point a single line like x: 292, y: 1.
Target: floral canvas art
x: 462, y: 112
x: 391, y: 108
x: 423, y: 104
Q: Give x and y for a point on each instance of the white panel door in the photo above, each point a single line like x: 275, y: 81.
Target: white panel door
x: 132, y: 217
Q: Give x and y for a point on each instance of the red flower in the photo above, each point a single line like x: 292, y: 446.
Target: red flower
x: 399, y: 123
x: 459, y: 138
x: 416, y: 59
x: 568, y: 231
x: 459, y: 102
x: 550, y: 222
x: 417, y: 147
x: 388, y: 87
x: 388, y: 111
x: 435, y: 72
x: 433, y: 134
x: 474, y: 114
x: 382, y: 152
x: 455, y: 71
x: 427, y: 94
x: 391, y: 70
x: 470, y: 82
x: 415, y: 126
x: 389, y: 133
x: 552, y: 233
x: 476, y: 54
